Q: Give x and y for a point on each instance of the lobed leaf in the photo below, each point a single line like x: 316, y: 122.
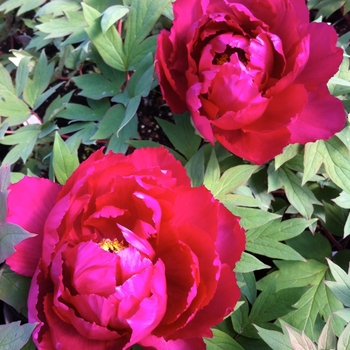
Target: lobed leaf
x: 14, y: 336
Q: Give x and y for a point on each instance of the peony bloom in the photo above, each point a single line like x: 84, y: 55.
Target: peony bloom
x: 126, y: 252
x: 252, y: 73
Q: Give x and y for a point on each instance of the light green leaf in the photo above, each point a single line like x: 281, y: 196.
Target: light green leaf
x: 233, y: 178
x: 14, y: 336
x: 24, y: 5
x: 249, y: 263
x: 22, y: 74
x: 58, y: 8
x: 109, y: 45
x: 301, y: 197
x: 344, y: 339
x: 221, y: 341
x: 341, y: 287
x: 64, y: 162
x: 276, y: 340
x: 181, y: 134
x: 343, y: 200
x: 142, y: 17
x: 344, y: 314
x: 289, y: 152
x: 335, y: 157
x: 212, y: 172
x: 78, y: 112
x: 247, y: 284
x: 112, y: 15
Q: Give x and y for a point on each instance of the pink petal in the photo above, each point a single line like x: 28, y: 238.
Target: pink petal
x: 322, y: 117
x: 29, y: 203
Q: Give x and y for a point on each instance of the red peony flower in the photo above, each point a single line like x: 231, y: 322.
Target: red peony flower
x: 253, y: 73
x: 127, y: 252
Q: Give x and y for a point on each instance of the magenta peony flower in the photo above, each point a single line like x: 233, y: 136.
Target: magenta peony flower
x: 127, y: 252
x: 253, y: 73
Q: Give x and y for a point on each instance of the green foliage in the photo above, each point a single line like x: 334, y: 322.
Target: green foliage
x: 13, y: 336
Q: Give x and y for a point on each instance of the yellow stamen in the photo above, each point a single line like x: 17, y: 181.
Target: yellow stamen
x: 220, y: 59
x: 111, y: 246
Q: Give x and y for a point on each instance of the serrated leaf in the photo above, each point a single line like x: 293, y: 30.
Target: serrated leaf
x: 249, y: 263
x: 221, y: 341
x: 289, y: 152
x: 301, y: 197
x: 14, y: 289
x: 24, y: 5
x: 300, y: 342
x: 181, y: 134
x: 109, y: 44
x: 142, y: 17
x: 327, y: 339
x: 95, y: 86
x: 10, y: 236
x: 112, y: 15
x: 64, y: 162
x: 341, y: 287
x: 14, y: 336
x: 73, y: 22
x: 10, y: 105
x: 335, y: 157
x: 344, y: 339
x: 233, y: 178
x: 276, y: 340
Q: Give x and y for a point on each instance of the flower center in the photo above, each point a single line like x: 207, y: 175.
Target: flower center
x: 221, y: 58
x: 111, y: 246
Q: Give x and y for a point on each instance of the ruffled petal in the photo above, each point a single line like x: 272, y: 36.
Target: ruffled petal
x: 29, y: 204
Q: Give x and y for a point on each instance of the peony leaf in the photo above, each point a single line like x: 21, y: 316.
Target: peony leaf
x: 64, y: 162
x: 14, y: 289
x: 344, y: 314
x: 289, y: 152
x: 344, y: 339
x: 343, y: 200
x: 276, y: 340
x: 109, y: 44
x: 248, y: 285
x: 233, y: 178
x: 249, y: 263
x: 301, y: 197
x: 300, y: 342
x: 341, y: 287
x: 14, y: 336
x: 10, y: 236
x: 181, y: 134
x: 142, y: 17
x: 195, y: 168
x: 221, y: 341
x: 212, y: 172
x: 335, y: 156
x: 327, y: 339
x: 111, y: 15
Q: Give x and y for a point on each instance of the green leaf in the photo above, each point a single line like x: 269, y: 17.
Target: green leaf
x: 249, y: 263
x: 247, y: 284
x: 276, y: 340
x: 112, y: 15
x: 250, y: 218
x: 58, y: 8
x: 341, y: 287
x: 232, y: 179
x: 212, y: 172
x: 327, y: 339
x: 343, y: 200
x: 78, y: 112
x: 195, y: 168
x: 14, y: 336
x: 142, y: 17
x: 131, y: 109
x: 344, y: 314
x: 14, y: 289
x: 22, y: 74
x: 181, y: 134
x: 289, y: 152
x: 11, y: 106
x: 344, y: 339
x: 96, y: 86
x: 221, y: 341
x: 10, y: 236
x: 302, y: 198
x: 24, y: 5
x: 64, y: 162
x: 335, y: 157
x: 109, y: 44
